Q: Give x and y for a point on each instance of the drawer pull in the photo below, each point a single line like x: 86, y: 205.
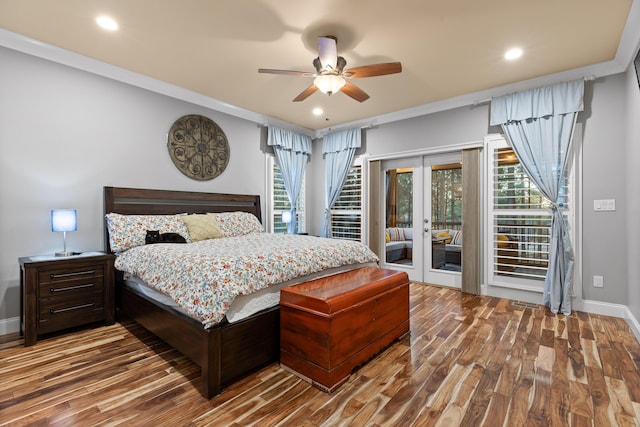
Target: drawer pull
x: 79, y: 273
x: 75, y: 307
x: 71, y: 288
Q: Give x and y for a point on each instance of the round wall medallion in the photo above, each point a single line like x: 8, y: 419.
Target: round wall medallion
x: 198, y: 147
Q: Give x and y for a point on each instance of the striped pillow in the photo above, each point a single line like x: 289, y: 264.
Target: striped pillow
x: 396, y: 234
x: 456, y: 238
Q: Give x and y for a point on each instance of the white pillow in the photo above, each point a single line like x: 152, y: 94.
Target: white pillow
x: 233, y: 224
x: 129, y: 231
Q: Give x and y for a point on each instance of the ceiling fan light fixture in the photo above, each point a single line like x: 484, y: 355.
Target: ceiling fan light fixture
x: 329, y: 83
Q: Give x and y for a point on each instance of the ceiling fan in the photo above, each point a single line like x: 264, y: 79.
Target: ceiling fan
x: 330, y: 74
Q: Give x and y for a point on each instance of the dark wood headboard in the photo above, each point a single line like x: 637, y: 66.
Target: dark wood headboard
x: 138, y: 201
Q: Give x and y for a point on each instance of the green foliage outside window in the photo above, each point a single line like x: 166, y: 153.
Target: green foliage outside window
x: 446, y: 198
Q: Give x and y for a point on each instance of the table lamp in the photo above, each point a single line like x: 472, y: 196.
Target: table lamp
x: 64, y: 220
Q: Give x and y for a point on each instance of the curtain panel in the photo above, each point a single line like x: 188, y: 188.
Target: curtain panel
x: 539, y: 123
x: 292, y: 152
x: 339, y: 149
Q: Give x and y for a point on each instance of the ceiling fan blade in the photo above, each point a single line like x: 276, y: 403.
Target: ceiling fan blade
x: 287, y: 72
x: 374, y: 70
x: 354, y: 92
x: 328, y: 52
x: 305, y: 93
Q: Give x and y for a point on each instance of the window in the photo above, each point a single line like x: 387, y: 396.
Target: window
x: 400, y: 198
x: 399, y: 215
x: 346, y: 212
x: 280, y: 201
x: 446, y: 196
x: 520, y: 221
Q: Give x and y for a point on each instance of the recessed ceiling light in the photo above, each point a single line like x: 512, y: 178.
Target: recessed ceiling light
x: 317, y: 111
x: 107, y: 23
x: 512, y: 54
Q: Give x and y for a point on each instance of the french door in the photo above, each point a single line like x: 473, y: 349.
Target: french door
x: 420, y: 217
x: 442, y: 219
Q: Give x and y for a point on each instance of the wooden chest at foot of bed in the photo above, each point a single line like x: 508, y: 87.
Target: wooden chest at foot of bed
x: 331, y: 325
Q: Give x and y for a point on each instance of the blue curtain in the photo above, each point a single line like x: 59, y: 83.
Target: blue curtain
x: 338, y: 149
x: 292, y: 152
x: 539, y: 125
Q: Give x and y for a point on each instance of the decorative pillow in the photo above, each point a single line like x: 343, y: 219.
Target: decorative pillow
x: 435, y: 232
x: 233, y: 224
x: 202, y: 227
x: 396, y: 234
x: 444, y: 235
x: 503, y: 241
x: 408, y: 233
x: 128, y: 231
x: 387, y: 237
x: 456, y: 237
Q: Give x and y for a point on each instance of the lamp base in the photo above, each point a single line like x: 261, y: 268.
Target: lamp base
x: 64, y: 253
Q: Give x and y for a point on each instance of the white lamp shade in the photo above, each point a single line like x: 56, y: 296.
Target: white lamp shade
x: 286, y: 217
x: 329, y: 83
x: 64, y: 220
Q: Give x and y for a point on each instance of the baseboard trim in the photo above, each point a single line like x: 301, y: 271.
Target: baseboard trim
x: 610, y: 309
x: 599, y: 307
x: 10, y: 325
x: 633, y: 323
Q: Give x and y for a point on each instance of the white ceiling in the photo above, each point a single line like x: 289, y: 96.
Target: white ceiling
x: 451, y: 51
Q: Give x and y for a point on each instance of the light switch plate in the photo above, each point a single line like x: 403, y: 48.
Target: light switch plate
x: 604, y: 205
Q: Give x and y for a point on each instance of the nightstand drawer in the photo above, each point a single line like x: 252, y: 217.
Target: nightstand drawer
x: 58, y: 312
x: 77, y: 286
x: 70, y: 273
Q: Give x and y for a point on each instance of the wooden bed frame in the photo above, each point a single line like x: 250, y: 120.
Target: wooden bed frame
x: 225, y: 352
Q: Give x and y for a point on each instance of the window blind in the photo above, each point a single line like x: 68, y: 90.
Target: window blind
x: 346, y: 213
x: 520, y: 220
x: 281, y: 202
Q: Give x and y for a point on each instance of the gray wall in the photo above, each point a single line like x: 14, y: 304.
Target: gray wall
x: 66, y: 133
x: 632, y: 158
x: 604, y: 178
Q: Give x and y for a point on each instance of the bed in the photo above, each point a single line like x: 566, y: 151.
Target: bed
x: 225, y: 351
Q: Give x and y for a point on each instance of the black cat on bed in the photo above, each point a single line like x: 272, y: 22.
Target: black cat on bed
x: 155, y: 236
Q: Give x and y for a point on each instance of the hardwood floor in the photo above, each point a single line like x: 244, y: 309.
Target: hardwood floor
x: 468, y: 361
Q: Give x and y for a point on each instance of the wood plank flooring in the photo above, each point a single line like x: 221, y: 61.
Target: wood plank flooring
x: 469, y: 361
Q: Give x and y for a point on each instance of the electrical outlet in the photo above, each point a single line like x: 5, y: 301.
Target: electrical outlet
x: 598, y: 281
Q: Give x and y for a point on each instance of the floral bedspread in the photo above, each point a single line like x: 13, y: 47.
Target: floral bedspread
x: 204, y: 277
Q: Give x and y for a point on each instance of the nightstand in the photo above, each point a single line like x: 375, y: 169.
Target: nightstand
x: 63, y: 292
